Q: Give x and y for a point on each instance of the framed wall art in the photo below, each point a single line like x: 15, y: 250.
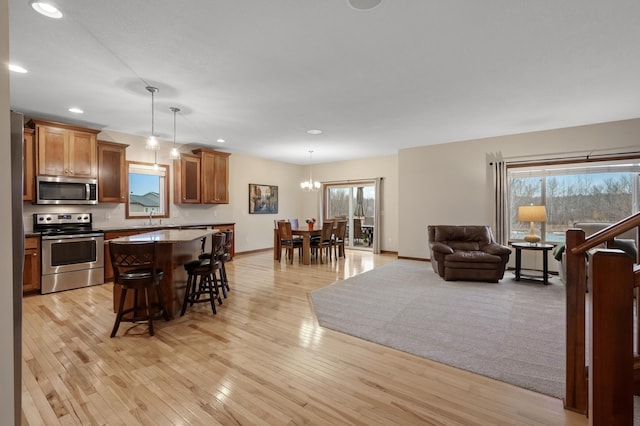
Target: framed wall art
x: 263, y: 199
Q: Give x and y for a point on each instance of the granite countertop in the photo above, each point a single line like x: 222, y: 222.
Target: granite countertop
x: 167, y: 236
x: 160, y: 226
x: 157, y: 226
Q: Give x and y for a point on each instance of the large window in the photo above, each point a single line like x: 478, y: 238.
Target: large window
x: 580, y: 192
x: 148, y: 190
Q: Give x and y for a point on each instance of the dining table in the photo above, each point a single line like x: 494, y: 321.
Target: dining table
x: 306, y: 234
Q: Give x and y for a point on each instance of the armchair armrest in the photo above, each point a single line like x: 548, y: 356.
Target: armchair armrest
x: 496, y: 249
x: 441, y: 248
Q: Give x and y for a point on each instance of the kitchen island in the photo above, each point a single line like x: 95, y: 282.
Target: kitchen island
x: 175, y: 248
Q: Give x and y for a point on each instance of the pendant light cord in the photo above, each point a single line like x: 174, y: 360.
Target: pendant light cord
x: 153, y: 133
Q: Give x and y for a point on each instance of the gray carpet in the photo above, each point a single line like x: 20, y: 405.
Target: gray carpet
x: 512, y: 331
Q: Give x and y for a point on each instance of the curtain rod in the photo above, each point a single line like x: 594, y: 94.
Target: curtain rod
x: 584, y: 157
x: 351, y: 181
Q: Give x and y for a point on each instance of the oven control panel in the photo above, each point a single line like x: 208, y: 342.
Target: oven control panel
x: 61, y: 218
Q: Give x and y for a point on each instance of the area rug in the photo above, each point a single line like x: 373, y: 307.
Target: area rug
x: 511, y: 331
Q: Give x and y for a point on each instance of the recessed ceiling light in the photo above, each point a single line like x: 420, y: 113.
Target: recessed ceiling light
x: 46, y: 9
x: 17, y: 68
x: 314, y: 132
x: 76, y: 110
x: 221, y: 141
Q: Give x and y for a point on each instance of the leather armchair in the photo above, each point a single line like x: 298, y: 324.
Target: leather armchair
x: 467, y: 253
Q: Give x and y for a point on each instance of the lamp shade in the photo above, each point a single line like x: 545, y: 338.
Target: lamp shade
x: 532, y: 214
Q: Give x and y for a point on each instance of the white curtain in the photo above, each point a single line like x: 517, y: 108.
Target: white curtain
x: 377, y: 226
x: 501, y: 207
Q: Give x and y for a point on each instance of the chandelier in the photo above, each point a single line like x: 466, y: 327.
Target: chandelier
x: 310, y: 185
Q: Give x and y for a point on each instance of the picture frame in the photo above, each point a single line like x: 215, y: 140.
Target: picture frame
x: 263, y: 199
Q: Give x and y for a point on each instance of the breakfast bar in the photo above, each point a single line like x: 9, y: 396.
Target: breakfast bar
x: 176, y: 247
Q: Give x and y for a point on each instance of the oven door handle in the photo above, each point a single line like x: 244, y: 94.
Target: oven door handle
x: 71, y: 236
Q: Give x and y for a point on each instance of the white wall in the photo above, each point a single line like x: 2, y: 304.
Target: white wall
x: 452, y: 183
x: 7, y: 395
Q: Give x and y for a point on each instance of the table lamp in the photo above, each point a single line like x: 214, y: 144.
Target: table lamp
x: 532, y: 214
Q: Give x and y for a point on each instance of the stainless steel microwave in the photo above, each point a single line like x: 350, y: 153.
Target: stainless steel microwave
x: 66, y: 190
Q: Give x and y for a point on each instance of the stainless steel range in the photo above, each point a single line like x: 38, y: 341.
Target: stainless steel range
x: 72, y: 251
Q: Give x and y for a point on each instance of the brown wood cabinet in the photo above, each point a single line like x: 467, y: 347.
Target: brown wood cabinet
x: 186, y: 180
x: 215, y: 176
x: 31, y: 273
x: 65, y: 150
x: 28, y: 167
x: 201, y: 178
x: 112, y: 172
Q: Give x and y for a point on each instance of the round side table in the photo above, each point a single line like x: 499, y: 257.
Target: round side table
x: 544, y: 248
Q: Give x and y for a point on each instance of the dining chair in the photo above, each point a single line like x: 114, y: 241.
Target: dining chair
x: 135, y: 267
x: 294, y: 225
x: 287, y: 241
x: 325, y: 242
x: 338, y: 238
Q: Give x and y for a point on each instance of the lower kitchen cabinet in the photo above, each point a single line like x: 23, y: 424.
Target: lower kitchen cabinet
x: 31, y: 272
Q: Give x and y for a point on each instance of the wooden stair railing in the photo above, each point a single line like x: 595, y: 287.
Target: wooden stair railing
x: 636, y: 359
x: 610, y: 374
x: 608, y: 396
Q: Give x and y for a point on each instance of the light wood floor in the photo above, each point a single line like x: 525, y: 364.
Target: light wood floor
x: 262, y: 360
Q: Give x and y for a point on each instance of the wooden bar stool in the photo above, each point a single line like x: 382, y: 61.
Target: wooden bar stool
x: 134, y: 268
x: 202, y: 283
x: 225, y: 256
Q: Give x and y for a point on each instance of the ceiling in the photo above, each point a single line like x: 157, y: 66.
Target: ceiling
x: 259, y: 73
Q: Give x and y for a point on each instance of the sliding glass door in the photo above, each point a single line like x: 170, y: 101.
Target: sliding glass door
x: 354, y: 202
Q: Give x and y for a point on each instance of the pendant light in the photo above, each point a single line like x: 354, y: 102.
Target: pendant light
x: 174, y: 151
x: 310, y: 185
x: 152, y: 142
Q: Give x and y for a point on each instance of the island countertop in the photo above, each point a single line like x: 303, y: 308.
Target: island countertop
x: 167, y: 236
x: 159, y: 226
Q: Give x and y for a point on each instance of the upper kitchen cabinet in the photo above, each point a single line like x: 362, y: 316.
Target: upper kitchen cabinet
x: 65, y: 150
x: 215, y: 176
x: 112, y: 172
x: 186, y: 184
x: 28, y: 168
x: 201, y: 178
